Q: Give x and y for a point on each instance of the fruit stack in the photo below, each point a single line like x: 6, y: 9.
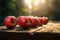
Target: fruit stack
x: 10, y: 22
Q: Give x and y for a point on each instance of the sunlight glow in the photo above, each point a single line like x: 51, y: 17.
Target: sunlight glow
x: 36, y: 2
x: 28, y: 3
x: 43, y: 1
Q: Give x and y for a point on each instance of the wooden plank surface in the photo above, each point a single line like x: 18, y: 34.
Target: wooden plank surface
x: 52, y: 27
x: 18, y: 29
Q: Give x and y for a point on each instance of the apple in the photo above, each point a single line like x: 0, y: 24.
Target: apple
x: 10, y: 22
x: 45, y: 20
x: 34, y: 22
x: 40, y: 21
x: 24, y: 22
x: 19, y: 18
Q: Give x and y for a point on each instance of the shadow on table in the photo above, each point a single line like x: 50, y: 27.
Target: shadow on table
x: 27, y: 36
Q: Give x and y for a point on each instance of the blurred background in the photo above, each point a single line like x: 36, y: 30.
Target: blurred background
x: 49, y: 8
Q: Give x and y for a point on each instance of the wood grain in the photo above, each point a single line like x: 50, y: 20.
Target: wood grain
x: 52, y: 27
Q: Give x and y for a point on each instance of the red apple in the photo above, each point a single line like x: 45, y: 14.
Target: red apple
x: 10, y: 22
x: 45, y: 20
x: 19, y: 18
x: 40, y: 21
x: 34, y: 22
x: 24, y: 22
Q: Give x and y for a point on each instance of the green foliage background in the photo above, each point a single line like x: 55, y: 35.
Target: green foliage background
x: 11, y: 7
x: 17, y: 8
x: 7, y: 7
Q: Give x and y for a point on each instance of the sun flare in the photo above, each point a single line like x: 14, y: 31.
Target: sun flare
x: 30, y: 3
x: 36, y: 2
x: 43, y: 1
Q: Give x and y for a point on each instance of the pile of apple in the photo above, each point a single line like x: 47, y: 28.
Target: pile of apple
x: 24, y: 21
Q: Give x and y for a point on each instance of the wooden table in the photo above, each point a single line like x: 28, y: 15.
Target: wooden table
x: 51, y: 31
